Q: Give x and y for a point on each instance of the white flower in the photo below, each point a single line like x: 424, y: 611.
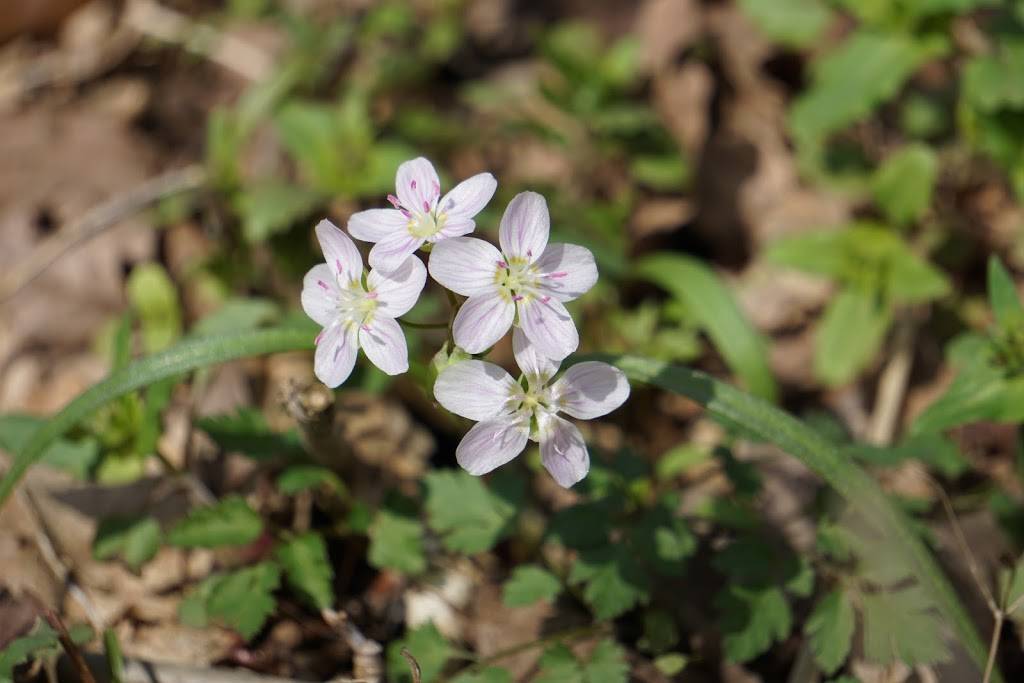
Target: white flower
x: 528, y: 276
x: 356, y: 313
x: 508, y: 415
x: 421, y: 214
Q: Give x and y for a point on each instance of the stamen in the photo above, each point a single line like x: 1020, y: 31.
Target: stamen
x: 518, y: 297
x: 426, y: 205
x: 413, y: 184
x: 371, y: 295
x: 365, y: 327
x: 437, y: 189
x: 529, y: 253
x: 502, y: 264
x: 323, y: 284
x: 405, y: 212
x: 546, y: 299
x: 337, y: 262
x: 319, y: 336
x: 394, y: 201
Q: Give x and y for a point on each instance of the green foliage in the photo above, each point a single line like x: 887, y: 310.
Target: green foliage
x: 899, y: 625
x: 77, y: 456
x: 469, y: 517
x: 228, y: 522
x: 155, y: 301
x: 491, y: 674
x: 830, y: 630
x: 246, y: 431
x: 42, y: 640
x: 528, y: 584
x: 605, y: 664
x: 271, y: 207
x: 135, y: 540
x: 752, y: 620
x: 1003, y: 297
x: 299, y: 478
x: 396, y: 542
x: 795, y: 23
x: 903, y: 185
x: 427, y: 646
x: 849, y: 335
x: 241, y: 600
x: 307, y: 568
x: 238, y: 314
x: 615, y: 580
x: 714, y: 309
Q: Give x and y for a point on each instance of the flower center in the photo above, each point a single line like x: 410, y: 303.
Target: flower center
x: 516, y: 278
x: 357, y: 305
x: 426, y: 225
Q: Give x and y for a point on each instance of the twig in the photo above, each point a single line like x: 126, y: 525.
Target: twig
x: 417, y: 674
x: 560, y: 636
x: 366, y: 654
x: 965, y: 549
x: 892, y: 386
x: 993, y: 646
x: 70, y: 648
x: 95, y: 221
x: 140, y: 671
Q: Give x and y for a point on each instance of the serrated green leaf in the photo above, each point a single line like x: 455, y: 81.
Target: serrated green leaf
x: 830, y: 630
x: 241, y: 599
x: 849, y: 335
x: 396, y: 542
x: 491, y: 674
x: 796, y: 23
x: 469, y: 517
x: 246, y: 431
x: 615, y: 581
x: 606, y: 664
x: 155, y: 301
x: 135, y: 539
x: 1003, y: 296
x: 528, y: 584
x: 992, y: 82
x: 715, y: 310
x: 584, y: 525
x: 899, y: 626
x: 903, y: 184
x: 427, y: 646
x: 663, y: 541
x: 559, y: 665
x: 41, y: 639
x: 238, y: 314
x: 752, y: 619
x: 270, y: 207
x: 308, y: 569
x: 228, y: 522
x: 305, y: 477
x: 660, y: 631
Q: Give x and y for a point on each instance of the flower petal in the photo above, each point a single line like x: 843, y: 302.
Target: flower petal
x: 482, y: 321
x: 538, y: 368
x: 390, y: 253
x: 469, y: 197
x: 474, y: 389
x: 549, y: 326
x: 563, y: 450
x: 376, y: 224
x: 320, y: 295
x: 525, y: 226
x: 417, y: 185
x: 567, y: 271
x: 491, y: 444
x: 340, y: 252
x: 453, y: 227
x: 591, y: 389
x: 465, y: 265
x: 336, y: 349
x: 397, y: 292
x: 383, y: 343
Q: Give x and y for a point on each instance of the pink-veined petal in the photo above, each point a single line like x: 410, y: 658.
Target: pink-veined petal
x: 525, y: 226
x: 417, y: 185
x: 320, y: 295
x: 537, y: 367
x: 340, y: 252
x: 336, y: 349
x: 491, y: 444
x: 474, y: 389
x: 469, y: 197
x: 374, y: 225
x: 397, y: 292
x: 549, y: 326
x: 383, y: 343
x: 482, y: 321
x: 465, y: 265
x: 390, y: 253
x: 566, y: 271
x: 563, y: 450
x: 453, y: 227
x: 591, y: 389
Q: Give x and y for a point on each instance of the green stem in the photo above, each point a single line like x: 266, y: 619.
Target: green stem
x: 187, y: 356
x: 772, y: 425
x: 424, y: 326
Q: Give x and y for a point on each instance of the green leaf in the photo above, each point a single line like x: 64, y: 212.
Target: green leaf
x: 771, y: 425
x: 830, y: 630
x: 228, y: 522
x: 660, y: 631
x: 795, y: 23
x: 20, y: 650
x: 977, y: 393
x: 238, y: 314
x: 247, y: 431
x: 934, y: 450
x: 530, y: 583
x: 271, y: 207
x: 469, y: 517
x: 559, y: 665
x: 135, y: 539
x: 308, y: 569
x: 615, y: 581
x: 241, y: 600
x: 396, y: 542
x: 606, y: 664
x: 663, y: 541
x: 752, y: 619
x: 667, y: 173
x: 427, y: 646
x: 900, y: 626
x: 155, y: 301
x: 312, y: 133
x: 713, y: 307
x: 305, y: 477
x: 1003, y: 297
x: 491, y: 674
x: 903, y: 184
x: 992, y: 82
x: 77, y: 457
x: 822, y: 253
x: 849, y: 336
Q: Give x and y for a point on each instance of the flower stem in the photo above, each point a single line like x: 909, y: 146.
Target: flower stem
x: 424, y: 326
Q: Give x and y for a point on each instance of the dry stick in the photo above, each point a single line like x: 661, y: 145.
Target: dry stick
x: 417, y: 674
x: 95, y: 221
x: 84, y: 673
x: 892, y: 386
x: 366, y: 653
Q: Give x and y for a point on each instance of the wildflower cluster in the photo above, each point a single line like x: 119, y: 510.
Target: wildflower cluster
x: 524, y: 286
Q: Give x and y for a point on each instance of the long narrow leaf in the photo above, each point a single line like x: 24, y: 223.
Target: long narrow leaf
x: 187, y: 356
x: 853, y: 483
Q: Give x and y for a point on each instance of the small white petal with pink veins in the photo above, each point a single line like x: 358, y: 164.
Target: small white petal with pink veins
x: 509, y: 413
x: 532, y: 278
x: 354, y: 314
x: 420, y: 214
